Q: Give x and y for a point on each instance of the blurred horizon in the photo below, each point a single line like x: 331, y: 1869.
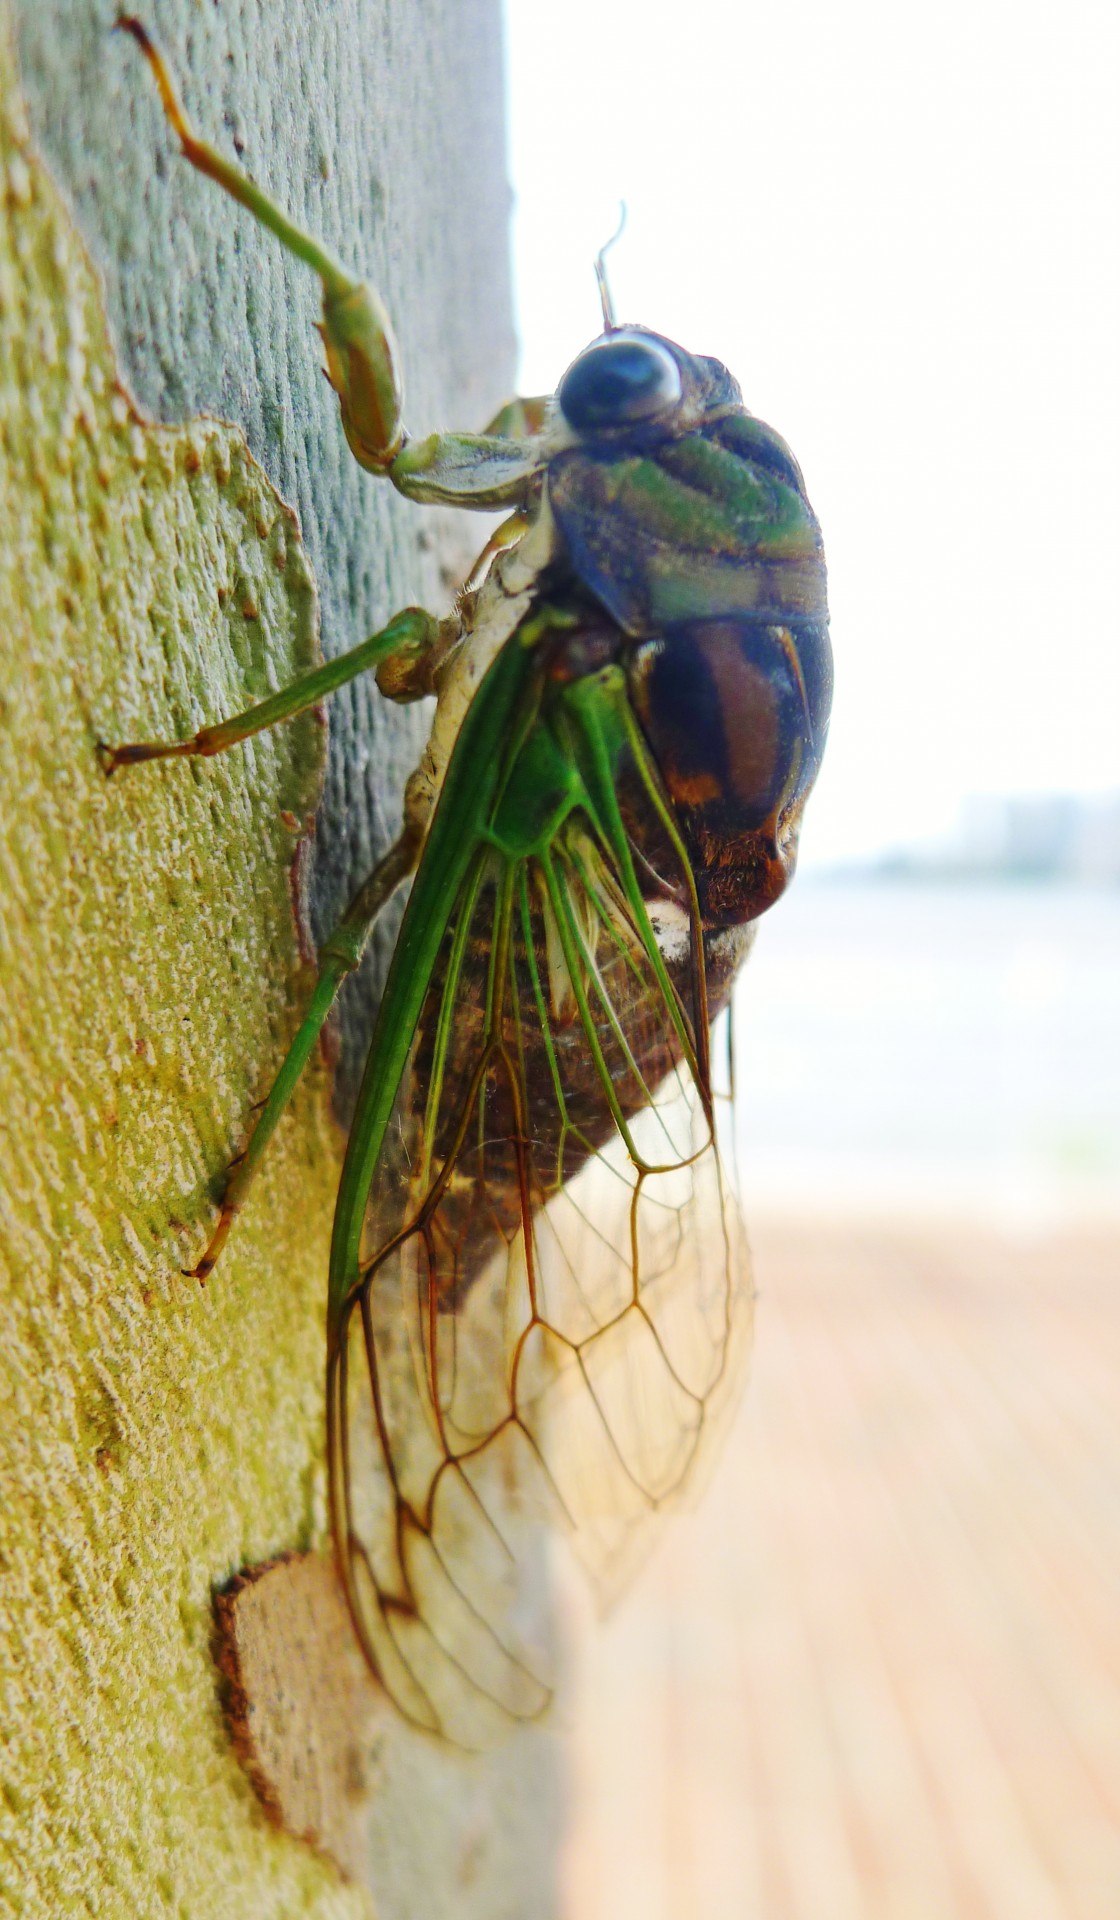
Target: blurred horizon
x: 1040, y: 837
x: 902, y: 241
x: 924, y: 1046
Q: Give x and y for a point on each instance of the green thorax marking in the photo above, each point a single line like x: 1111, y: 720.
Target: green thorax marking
x: 690, y: 528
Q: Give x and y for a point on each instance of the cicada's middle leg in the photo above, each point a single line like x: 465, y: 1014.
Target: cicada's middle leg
x: 404, y: 652
x: 405, y: 645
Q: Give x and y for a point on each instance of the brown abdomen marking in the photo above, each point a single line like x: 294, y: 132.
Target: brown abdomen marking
x: 736, y: 712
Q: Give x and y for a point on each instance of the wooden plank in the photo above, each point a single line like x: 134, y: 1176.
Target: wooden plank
x: 877, y: 1674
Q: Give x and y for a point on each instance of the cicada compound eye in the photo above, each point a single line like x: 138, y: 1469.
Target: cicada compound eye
x: 622, y: 380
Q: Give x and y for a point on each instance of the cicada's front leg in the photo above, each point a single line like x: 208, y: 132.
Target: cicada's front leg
x: 486, y: 471
x: 361, y: 352
x: 522, y: 417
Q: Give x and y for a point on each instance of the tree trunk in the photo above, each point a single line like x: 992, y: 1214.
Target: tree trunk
x: 158, y: 1438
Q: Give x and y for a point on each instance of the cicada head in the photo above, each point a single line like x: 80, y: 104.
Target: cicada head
x: 632, y: 387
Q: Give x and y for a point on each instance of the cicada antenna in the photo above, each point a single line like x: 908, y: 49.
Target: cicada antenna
x: 610, y: 324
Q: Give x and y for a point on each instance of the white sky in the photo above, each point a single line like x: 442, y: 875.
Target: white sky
x: 898, y: 227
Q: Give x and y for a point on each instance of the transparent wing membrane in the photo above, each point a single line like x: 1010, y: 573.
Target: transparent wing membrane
x: 556, y: 1308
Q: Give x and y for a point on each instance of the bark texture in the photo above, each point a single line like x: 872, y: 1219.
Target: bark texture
x: 379, y: 125
x: 156, y: 1438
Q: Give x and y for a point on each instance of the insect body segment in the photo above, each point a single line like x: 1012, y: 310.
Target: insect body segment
x: 539, y: 1300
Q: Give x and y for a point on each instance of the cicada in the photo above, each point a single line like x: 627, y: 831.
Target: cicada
x: 539, y: 1297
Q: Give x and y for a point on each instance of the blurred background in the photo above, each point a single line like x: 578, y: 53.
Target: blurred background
x: 878, y: 1673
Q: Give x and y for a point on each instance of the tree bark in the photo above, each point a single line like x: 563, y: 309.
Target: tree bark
x: 158, y: 1438
x: 379, y: 125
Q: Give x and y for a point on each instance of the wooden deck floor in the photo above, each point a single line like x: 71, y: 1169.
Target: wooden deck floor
x: 877, y: 1675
